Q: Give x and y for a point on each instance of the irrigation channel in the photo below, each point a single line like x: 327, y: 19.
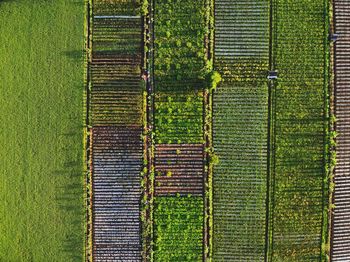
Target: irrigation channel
x: 340, y: 248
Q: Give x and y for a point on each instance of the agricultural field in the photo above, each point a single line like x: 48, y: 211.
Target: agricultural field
x: 240, y: 130
x: 299, y: 116
x: 116, y: 97
x: 41, y: 104
x: 179, y: 227
x: 179, y: 81
x: 179, y: 70
x: 168, y: 130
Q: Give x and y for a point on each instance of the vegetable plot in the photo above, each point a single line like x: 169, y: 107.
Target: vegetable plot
x: 178, y: 229
x: 116, y: 117
x: 299, y: 118
x: 179, y: 169
x: 240, y: 127
x: 179, y: 79
x: 340, y: 249
x: 179, y: 70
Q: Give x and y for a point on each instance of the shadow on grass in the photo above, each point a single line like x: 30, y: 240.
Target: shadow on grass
x: 78, y: 3
x: 71, y: 202
x: 74, y: 54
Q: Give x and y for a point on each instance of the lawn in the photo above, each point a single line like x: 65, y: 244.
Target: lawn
x: 41, y: 123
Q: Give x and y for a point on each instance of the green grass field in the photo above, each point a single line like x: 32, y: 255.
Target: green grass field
x: 41, y: 123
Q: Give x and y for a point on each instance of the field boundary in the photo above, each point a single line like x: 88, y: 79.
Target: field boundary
x: 332, y: 128
x: 208, y: 136
x: 87, y: 136
x: 328, y: 129
x: 270, y: 150
x: 148, y: 172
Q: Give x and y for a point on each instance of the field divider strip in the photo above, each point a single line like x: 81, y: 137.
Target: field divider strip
x: 88, y: 136
x: 117, y: 16
x: 333, y: 97
x: 327, y: 195
x: 270, y: 134
x: 208, y: 134
x: 148, y: 113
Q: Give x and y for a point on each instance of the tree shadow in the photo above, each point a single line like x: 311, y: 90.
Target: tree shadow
x: 71, y: 199
x: 74, y: 54
x: 78, y: 3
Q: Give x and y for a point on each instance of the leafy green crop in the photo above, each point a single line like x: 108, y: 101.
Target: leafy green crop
x: 240, y: 141
x: 180, y: 72
x: 299, y: 117
x: 178, y: 229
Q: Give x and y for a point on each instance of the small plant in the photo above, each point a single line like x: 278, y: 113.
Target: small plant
x: 214, y: 159
x: 214, y: 80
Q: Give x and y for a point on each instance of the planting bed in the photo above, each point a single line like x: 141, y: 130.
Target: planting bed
x: 178, y: 230
x: 179, y: 81
x: 299, y: 131
x: 340, y: 248
x: 116, y: 90
x: 179, y: 169
x: 179, y: 70
x: 116, y: 165
x: 240, y: 130
x: 116, y: 94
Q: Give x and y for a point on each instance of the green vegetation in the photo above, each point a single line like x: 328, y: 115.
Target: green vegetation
x: 214, y: 79
x: 299, y: 120
x: 115, y: 72
x: 41, y: 123
x: 180, y: 70
x: 240, y: 130
x: 179, y: 118
x: 178, y: 229
x: 240, y: 141
x: 265, y: 167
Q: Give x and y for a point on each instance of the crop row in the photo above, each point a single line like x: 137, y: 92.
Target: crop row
x: 116, y: 7
x: 240, y: 130
x: 116, y: 165
x: 179, y: 169
x: 340, y: 249
x: 116, y: 95
x: 241, y: 28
